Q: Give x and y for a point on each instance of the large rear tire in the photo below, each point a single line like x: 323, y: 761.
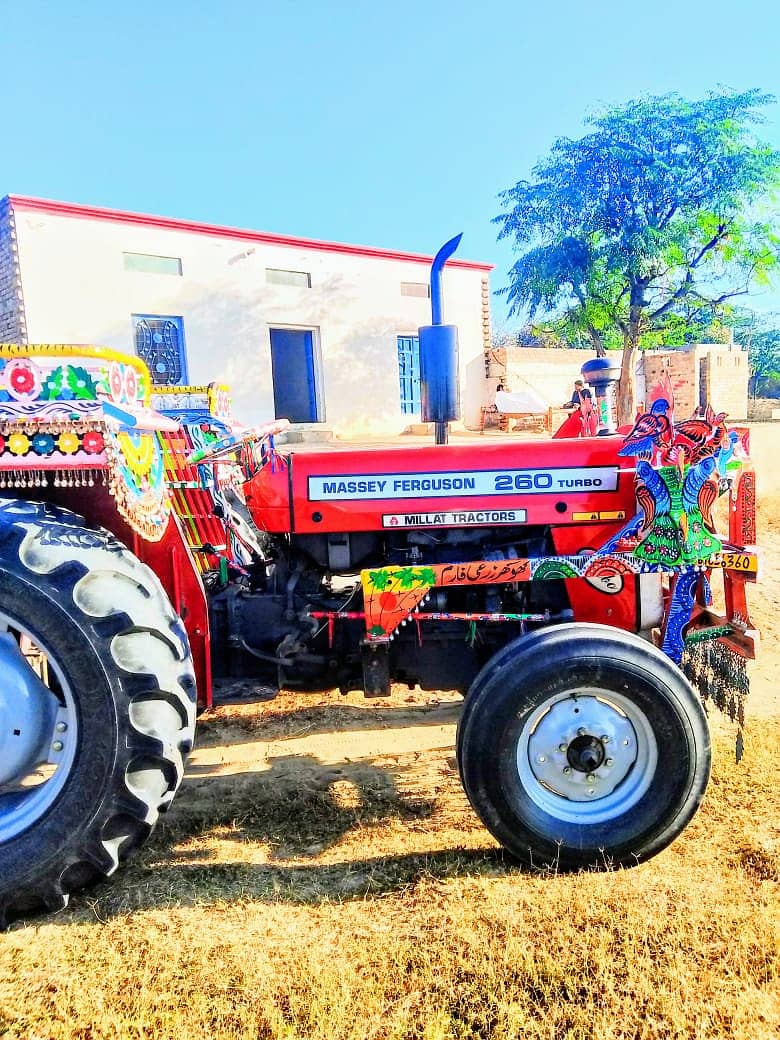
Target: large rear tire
x: 118, y: 694
x: 583, y: 746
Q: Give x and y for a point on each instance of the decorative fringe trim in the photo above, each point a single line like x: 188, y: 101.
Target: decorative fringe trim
x: 720, y: 676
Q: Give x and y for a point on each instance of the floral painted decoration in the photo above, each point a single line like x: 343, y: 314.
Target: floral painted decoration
x: 68, y: 442
x: 92, y: 442
x: 115, y: 381
x: 18, y: 444
x: 130, y: 384
x: 43, y: 444
x: 22, y: 379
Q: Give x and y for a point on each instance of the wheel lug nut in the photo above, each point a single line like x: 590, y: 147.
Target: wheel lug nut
x: 61, y: 727
x: 567, y: 769
x: 562, y: 747
x: 591, y: 779
x: 604, y: 738
x: 581, y: 731
x: 591, y: 790
x: 57, y: 745
x: 542, y: 758
x: 626, y: 742
x: 609, y: 761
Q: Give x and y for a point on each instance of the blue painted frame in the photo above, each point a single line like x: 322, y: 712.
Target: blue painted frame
x: 296, y: 375
x: 409, y: 374
x: 160, y: 343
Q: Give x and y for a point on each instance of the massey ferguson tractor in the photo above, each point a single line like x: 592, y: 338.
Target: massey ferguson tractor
x: 565, y: 586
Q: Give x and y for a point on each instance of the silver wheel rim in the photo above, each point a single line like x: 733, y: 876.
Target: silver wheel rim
x: 586, y: 756
x: 29, y: 800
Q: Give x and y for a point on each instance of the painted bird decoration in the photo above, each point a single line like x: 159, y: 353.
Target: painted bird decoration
x: 731, y: 449
x: 652, y: 431
x: 699, y: 438
x: 675, y: 486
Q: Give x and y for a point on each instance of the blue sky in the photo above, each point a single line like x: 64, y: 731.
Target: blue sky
x: 389, y: 124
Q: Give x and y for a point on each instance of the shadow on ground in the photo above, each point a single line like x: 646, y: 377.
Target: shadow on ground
x: 206, y: 850
x: 299, y: 806
x: 290, y: 723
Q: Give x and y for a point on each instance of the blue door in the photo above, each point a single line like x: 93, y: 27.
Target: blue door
x: 409, y: 374
x: 295, y: 366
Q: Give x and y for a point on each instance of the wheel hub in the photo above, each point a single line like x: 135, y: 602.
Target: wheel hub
x: 585, y: 753
x: 28, y: 715
x: 589, y: 754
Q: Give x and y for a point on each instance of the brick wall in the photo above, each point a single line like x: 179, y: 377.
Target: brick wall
x: 705, y: 373
x: 12, y: 324
x: 680, y: 368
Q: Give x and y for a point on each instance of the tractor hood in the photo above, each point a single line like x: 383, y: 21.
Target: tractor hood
x: 330, y: 489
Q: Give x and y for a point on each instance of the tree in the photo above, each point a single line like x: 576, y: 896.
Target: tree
x: 650, y: 223
x: 764, y: 357
x: 545, y: 336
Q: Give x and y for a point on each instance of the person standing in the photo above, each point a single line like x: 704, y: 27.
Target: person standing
x: 581, y: 393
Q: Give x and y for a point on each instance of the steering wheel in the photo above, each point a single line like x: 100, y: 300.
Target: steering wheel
x: 233, y: 442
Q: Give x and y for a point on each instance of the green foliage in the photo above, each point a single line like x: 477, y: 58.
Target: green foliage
x: 640, y: 232
x: 764, y: 356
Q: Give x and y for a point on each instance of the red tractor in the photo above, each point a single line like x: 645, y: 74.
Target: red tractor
x: 563, y: 586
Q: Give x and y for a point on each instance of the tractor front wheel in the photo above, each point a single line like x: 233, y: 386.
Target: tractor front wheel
x: 583, y: 746
x: 97, y: 704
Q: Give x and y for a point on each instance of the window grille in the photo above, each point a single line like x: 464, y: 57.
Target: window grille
x: 159, y: 341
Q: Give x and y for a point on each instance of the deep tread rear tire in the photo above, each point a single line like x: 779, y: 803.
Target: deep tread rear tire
x: 105, y: 619
x: 530, y: 807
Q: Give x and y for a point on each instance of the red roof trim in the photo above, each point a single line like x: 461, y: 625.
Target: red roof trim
x: 118, y: 216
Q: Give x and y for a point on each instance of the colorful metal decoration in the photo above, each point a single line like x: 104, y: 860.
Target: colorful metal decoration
x: 676, y: 485
x: 206, y: 496
x: 76, y: 416
x: 392, y: 594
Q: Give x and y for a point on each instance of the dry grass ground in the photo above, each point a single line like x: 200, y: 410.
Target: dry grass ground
x: 322, y: 875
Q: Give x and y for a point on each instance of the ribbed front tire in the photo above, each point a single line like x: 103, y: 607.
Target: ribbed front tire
x: 117, y: 659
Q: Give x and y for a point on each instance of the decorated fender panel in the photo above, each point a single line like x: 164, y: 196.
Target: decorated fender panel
x: 79, y: 416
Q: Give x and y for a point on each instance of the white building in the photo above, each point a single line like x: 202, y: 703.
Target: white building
x: 315, y: 331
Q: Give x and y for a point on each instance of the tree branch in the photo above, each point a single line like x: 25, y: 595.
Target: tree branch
x: 721, y: 234
x: 683, y: 290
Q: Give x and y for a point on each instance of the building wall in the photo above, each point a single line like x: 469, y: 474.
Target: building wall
x: 725, y: 373
x: 679, y: 366
x: 704, y: 373
x: 77, y: 290
x: 12, y: 323
x: 549, y: 373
